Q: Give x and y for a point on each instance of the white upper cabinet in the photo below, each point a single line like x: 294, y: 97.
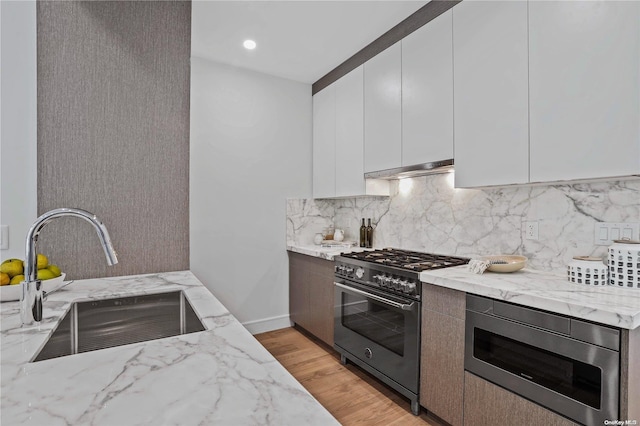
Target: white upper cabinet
x: 338, y: 140
x: 491, y: 142
x: 427, y: 92
x: 383, y: 110
x: 350, y: 134
x: 324, y: 139
x: 584, y: 89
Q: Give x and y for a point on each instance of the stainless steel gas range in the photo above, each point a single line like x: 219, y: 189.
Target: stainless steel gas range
x: 377, y: 313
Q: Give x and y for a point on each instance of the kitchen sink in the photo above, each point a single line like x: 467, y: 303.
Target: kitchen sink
x: 101, y: 324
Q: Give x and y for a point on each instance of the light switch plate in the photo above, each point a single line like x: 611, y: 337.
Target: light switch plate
x: 4, y: 237
x: 606, y: 232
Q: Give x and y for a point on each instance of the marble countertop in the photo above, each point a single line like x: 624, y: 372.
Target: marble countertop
x: 552, y: 292
x: 327, y: 253
x: 543, y: 290
x: 218, y: 376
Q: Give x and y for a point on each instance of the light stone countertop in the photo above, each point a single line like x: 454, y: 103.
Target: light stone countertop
x: 614, y: 306
x: 552, y: 292
x: 220, y: 376
x: 327, y: 253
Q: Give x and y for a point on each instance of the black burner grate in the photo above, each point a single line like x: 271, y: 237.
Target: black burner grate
x: 405, y: 259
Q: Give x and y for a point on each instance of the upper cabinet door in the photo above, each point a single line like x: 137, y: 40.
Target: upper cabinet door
x: 427, y: 92
x: 382, y: 110
x: 324, y: 148
x: 349, y: 158
x: 491, y: 145
x: 584, y: 89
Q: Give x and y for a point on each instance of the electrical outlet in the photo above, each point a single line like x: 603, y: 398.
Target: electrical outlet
x: 4, y: 237
x: 531, y: 230
x: 606, y: 232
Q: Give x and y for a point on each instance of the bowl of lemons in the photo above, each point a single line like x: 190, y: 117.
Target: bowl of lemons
x: 12, y: 275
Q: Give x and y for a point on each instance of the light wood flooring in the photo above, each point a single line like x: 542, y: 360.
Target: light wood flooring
x: 352, y: 396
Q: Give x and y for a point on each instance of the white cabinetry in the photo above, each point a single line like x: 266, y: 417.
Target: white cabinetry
x: 427, y: 93
x: 350, y: 134
x: 584, y: 67
x: 338, y: 141
x: 324, y: 146
x: 491, y: 145
x: 383, y: 110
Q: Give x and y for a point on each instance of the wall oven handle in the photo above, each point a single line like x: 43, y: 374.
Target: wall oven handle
x: 375, y: 297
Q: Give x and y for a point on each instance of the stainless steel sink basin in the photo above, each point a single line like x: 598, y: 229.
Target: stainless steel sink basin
x: 100, y: 324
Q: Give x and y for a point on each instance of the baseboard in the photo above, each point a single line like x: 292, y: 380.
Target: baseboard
x: 268, y: 324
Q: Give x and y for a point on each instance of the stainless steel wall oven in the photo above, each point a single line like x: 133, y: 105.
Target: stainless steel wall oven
x: 565, y: 364
x: 377, y: 314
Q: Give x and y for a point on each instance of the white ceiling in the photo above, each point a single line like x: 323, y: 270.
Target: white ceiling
x: 297, y: 40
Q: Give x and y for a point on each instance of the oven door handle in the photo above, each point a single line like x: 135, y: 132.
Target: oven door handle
x: 403, y: 306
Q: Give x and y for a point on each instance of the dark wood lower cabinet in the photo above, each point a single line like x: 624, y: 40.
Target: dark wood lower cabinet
x: 487, y: 404
x: 442, y: 358
x: 311, y: 295
x: 630, y: 375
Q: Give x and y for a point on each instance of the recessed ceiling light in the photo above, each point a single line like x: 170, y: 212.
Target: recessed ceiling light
x: 249, y: 44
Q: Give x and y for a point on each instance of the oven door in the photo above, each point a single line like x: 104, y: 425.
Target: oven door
x: 381, y: 330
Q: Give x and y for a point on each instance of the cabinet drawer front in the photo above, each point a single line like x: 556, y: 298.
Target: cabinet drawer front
x: 487, y: 404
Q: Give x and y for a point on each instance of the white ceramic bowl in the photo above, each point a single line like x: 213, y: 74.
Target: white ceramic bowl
x: 10, y: 293
x: 513, y: 263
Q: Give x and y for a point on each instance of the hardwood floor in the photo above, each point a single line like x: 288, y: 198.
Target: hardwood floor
x: 348, y: 393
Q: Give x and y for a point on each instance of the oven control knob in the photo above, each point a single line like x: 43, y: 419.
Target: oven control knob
x: 397, y: 283
x: 360, y: 273
x: 386, y: 281
x: 368, y: 353
x: 376, y: 279
x: 411, y: 288
x: 404, y: 286
x: 348, y: 270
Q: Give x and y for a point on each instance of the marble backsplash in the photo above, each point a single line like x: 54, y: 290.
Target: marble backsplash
x: 428, y: 214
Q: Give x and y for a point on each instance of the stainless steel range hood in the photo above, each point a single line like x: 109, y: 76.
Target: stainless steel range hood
x: 433, y: 168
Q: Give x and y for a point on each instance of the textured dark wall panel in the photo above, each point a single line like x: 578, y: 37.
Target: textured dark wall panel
x: 113, y: 132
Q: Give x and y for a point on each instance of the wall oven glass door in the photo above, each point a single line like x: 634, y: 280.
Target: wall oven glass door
x: 379, y: 329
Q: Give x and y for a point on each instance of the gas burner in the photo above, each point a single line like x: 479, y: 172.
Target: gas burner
x: 409, y: 260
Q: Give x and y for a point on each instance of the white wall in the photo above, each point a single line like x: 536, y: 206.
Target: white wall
x: 250, y: 150
x: 18, y: 162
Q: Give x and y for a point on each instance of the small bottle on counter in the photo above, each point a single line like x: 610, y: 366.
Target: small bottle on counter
x: 369, y: 235
x: 363, y: 234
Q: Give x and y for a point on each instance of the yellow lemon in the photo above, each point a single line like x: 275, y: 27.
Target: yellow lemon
x: 17, y: 279
x: 43, y: 262
x: 4, y: 278
x: 45, y: 274
x: 54, y: 270
x: 12, y: 267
